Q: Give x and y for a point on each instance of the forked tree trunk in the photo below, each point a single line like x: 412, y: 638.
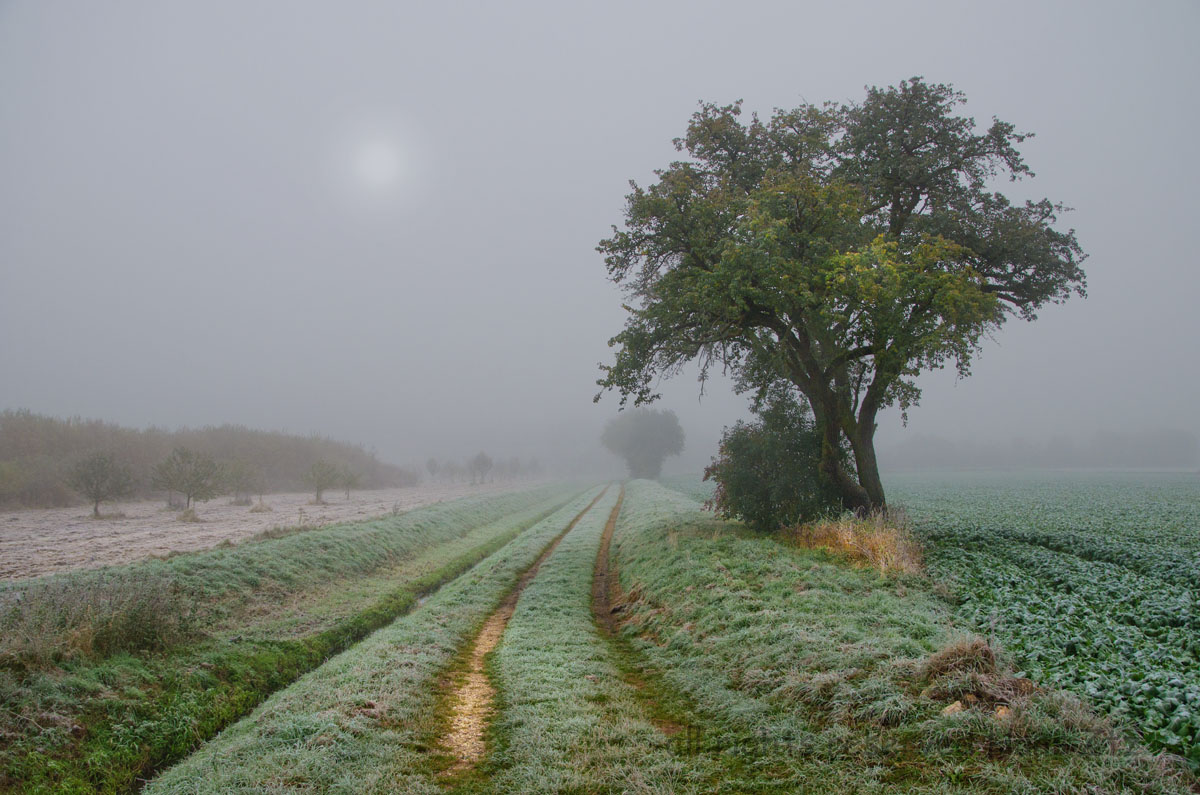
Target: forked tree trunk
x: 860, y: 491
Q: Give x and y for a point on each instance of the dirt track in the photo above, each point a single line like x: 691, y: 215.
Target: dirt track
x: 43, y: 541
x: 474, y: 693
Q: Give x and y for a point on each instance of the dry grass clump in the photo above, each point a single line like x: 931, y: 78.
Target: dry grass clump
x: 190, y: 515
x: 261, y: 507
x: 880, y: 540
x: 60, y: 618
x: 968, y: 654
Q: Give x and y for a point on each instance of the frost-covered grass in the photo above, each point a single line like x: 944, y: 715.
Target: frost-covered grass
x: 568, y: 721
x: 809, y: 675
x: 92, y: 725
x: 363, y: 722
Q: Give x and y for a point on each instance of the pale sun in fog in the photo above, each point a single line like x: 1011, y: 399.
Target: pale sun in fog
x: 378, y: 163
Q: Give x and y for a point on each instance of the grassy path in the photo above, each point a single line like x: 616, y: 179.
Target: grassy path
x: 365, y: 721
x: 568, y: 720
x: 473, y: 692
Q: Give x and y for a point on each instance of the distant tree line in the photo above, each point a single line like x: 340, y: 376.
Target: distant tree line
x: 42, y: 461
x: 482, y: 468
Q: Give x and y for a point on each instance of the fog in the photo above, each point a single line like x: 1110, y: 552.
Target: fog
x: 377, y: 220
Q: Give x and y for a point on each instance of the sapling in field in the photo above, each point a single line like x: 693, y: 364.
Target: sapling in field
x: 99, y: 477
x: 320, y: 477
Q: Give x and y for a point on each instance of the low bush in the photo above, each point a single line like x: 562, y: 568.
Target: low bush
x: 767, y: 471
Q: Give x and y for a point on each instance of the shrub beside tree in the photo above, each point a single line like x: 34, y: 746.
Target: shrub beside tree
x: 99, y: 477
x: 767, y: 472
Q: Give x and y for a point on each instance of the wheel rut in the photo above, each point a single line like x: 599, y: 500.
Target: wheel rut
x: 474, y: 694
x: 607, y: 602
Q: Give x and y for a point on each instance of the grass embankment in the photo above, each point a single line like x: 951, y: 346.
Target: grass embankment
x: 265, y: 613
x: 366, y: 720
x: 809, y: 675
x: 568, y: 720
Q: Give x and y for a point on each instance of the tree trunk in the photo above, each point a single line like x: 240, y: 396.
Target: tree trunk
x: 96, y: 510
x: 863, y: 446
x: 854, y: 496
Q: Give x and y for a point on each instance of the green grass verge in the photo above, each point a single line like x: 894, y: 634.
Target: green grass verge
x: 808, y: 675
x: 100, y: 725
x: 363, y: 721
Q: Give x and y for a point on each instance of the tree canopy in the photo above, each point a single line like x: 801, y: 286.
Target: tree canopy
x: 837, y: 250
x: 644, y: 438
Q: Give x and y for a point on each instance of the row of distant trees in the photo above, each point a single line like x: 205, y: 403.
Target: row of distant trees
x: 482, y: 468
x: 37, y: 452
x: 194, y: 477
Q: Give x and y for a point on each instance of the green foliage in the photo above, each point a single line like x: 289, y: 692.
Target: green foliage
x: 194, y: 475
x: 322, y: 476
x: 1089, y: 580
x: 99, y: 477
x: 767, y: 472
x: 644, y: 438
x: 839, y: 251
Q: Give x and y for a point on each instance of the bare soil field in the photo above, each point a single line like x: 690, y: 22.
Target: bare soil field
x: 48, y: 540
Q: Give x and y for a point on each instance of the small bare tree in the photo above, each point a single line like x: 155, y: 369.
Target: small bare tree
x: 99, y: 477
x: 321, y: 477
x: 349, y: 480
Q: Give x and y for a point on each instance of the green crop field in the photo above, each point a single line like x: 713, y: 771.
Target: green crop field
x: 1091, y: 582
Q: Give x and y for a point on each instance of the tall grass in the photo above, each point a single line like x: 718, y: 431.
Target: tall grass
x: 118, y: 611
x: 881, y: 540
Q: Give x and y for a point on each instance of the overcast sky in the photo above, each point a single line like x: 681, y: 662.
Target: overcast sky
x: 377, y: 220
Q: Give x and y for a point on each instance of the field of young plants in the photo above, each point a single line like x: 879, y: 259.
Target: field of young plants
x: 1090, y: 581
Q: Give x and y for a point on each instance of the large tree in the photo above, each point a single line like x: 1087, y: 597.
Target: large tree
x: 837, y: 250
x: 644, y: 438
